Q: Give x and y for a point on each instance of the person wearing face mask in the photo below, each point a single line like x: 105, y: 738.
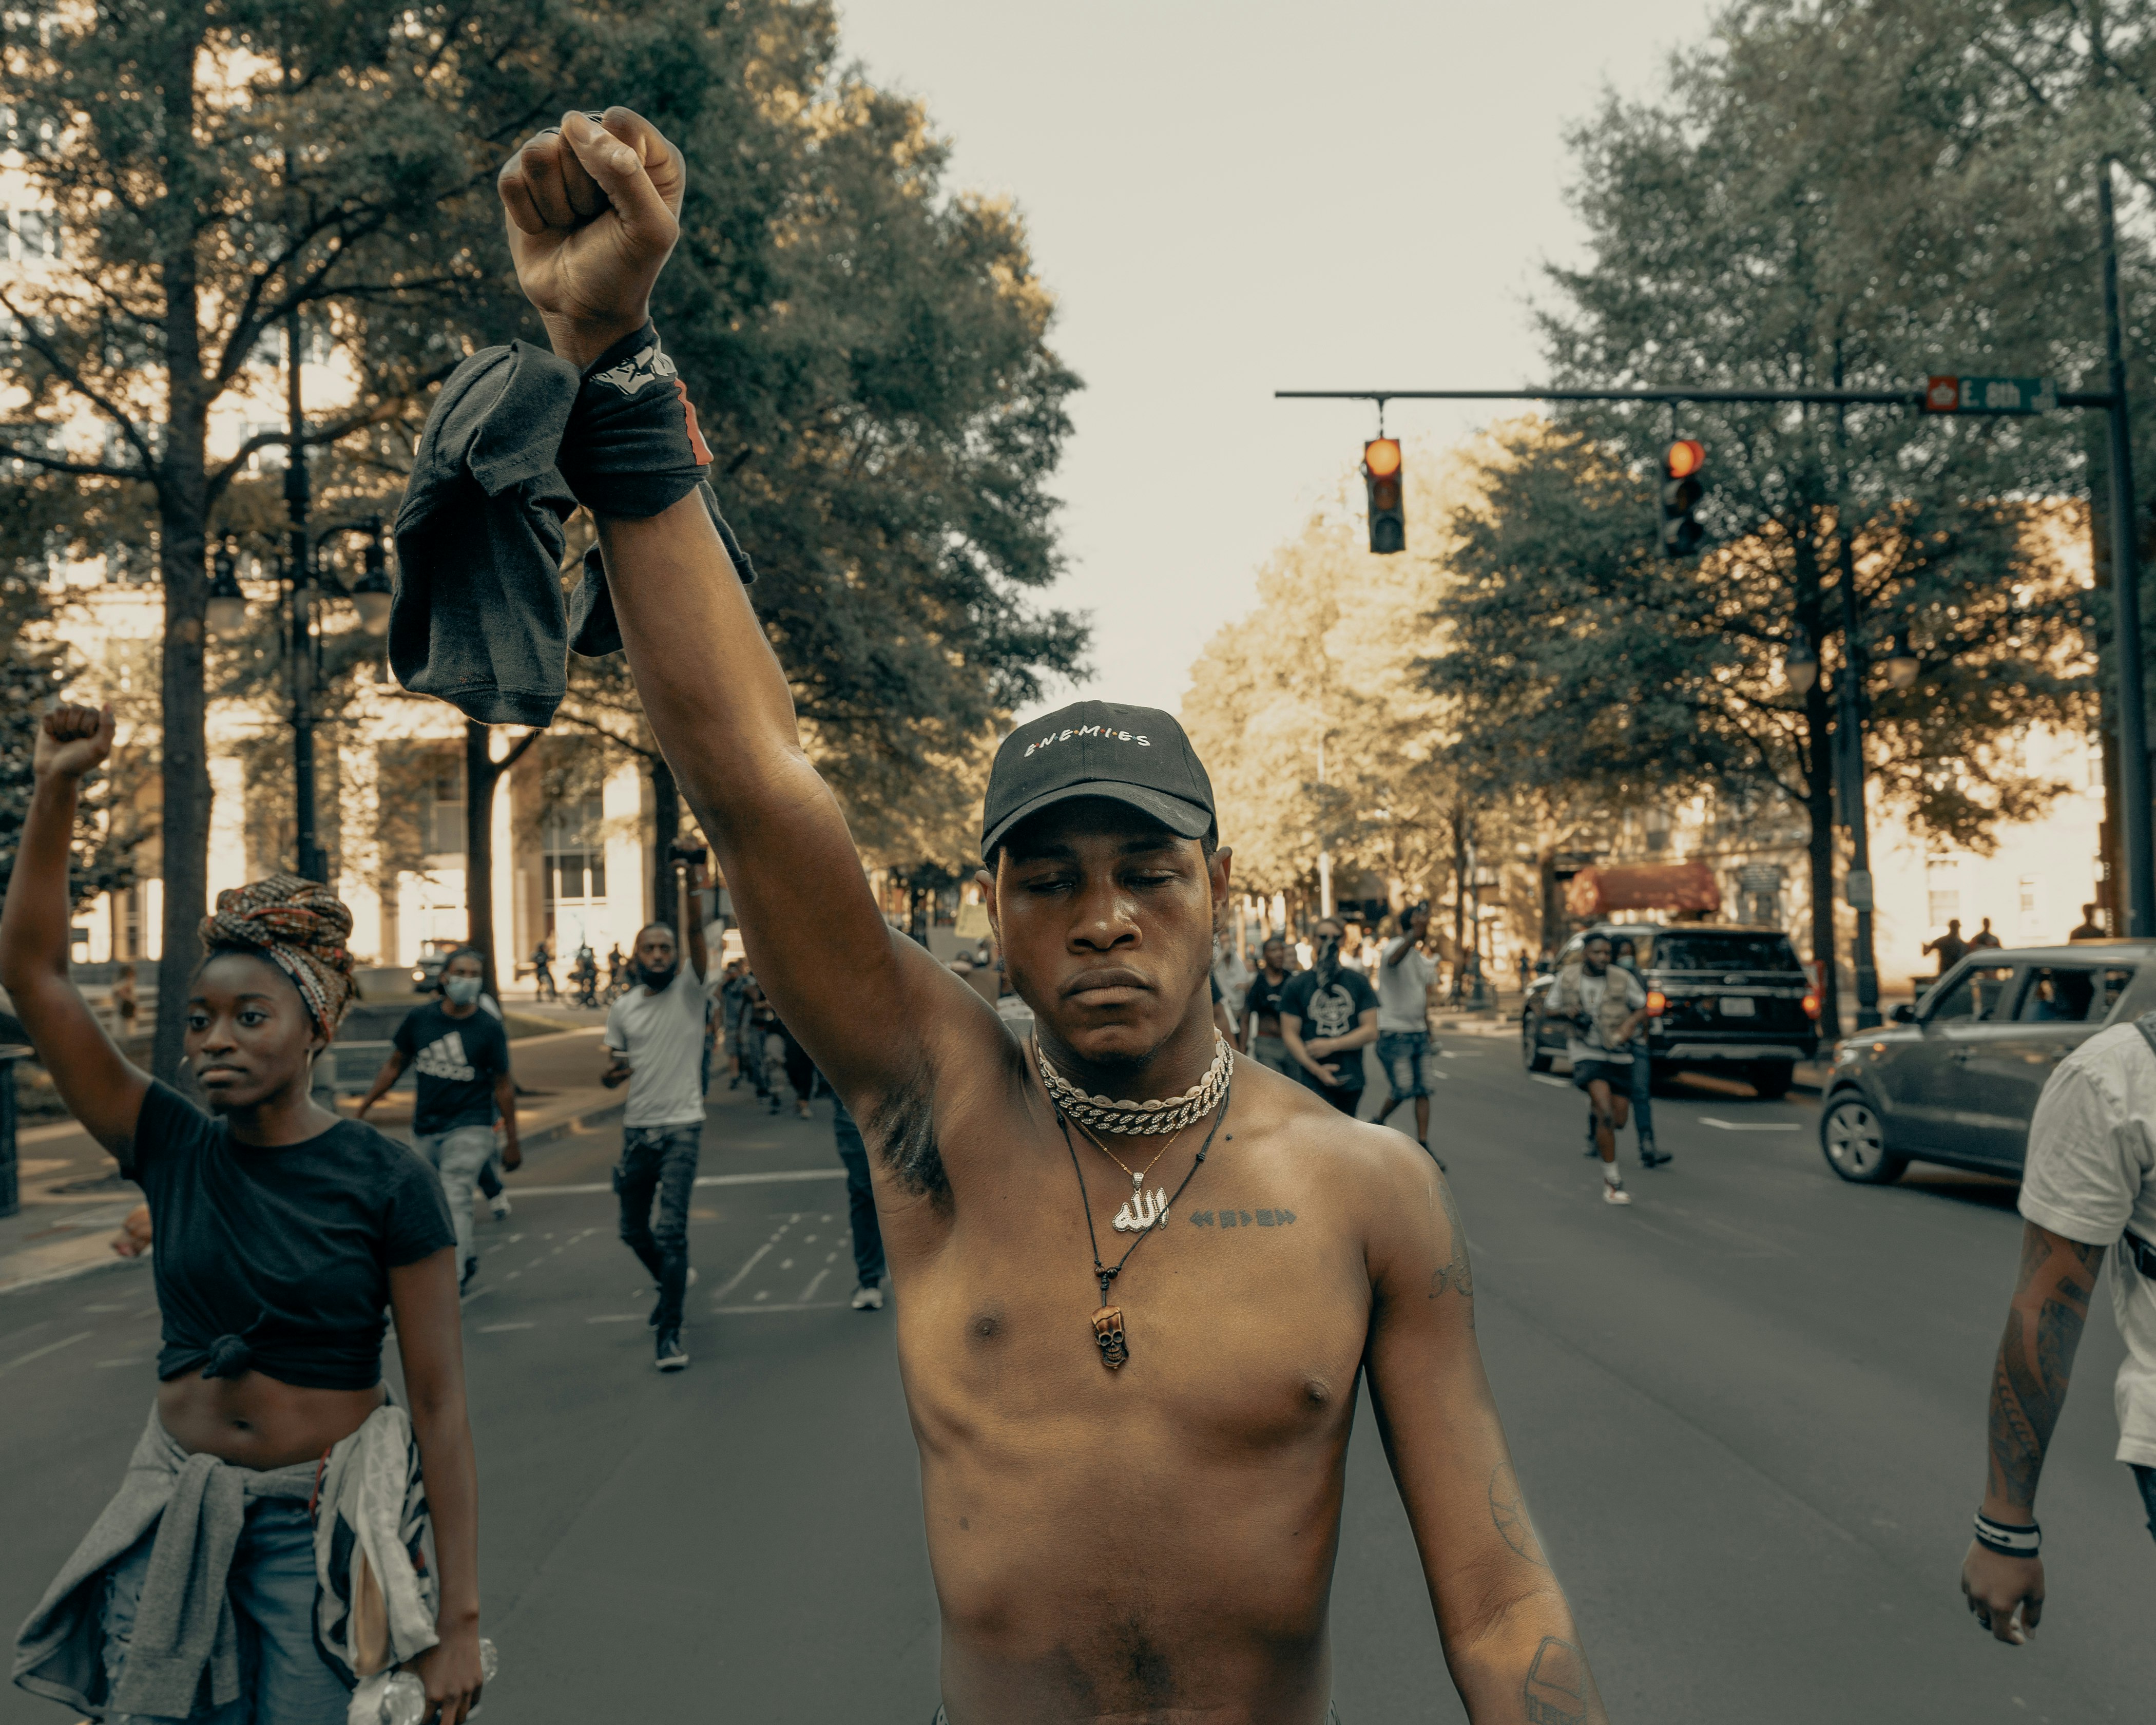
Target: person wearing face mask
x: 1328, y: 1015
x: 655, y: 1044
x: 462, y: 1054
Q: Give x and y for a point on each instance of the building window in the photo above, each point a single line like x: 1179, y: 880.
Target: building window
x: 445, y: 813
x: 575, y: 868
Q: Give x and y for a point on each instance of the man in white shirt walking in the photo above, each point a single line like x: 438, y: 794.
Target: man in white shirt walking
x: 1405, y: 975
x: 2089, y: 1180
x: 654, y: 1041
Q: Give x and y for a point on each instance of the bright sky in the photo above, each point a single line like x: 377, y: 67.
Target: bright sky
x: 1232, y: 199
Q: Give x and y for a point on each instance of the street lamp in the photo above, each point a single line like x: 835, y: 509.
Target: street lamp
x: 1902, y: 662
x: 1801, y: 664
x: 226, y: 614
x: 372, y: 592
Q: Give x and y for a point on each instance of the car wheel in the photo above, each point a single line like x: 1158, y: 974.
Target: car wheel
x: 1531, y: 1052
x: 1772, y: 1079
x: 1855, y: 1144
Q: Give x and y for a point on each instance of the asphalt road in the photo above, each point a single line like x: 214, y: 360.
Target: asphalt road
x: 1747, y: 1411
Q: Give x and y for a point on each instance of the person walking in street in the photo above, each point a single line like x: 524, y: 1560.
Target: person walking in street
x: 542, y: 973
x: 733, y: 1004
x: 860, y: 1200
x: 655, y: 1044
x: 2088, y: 1182
x: 125, y: 1003
x: 1603, y: 1007
x: 1405, y: 975
x: 1625, y: 955
x: 2089, y: 929
x: 1261, y: 1025
x: 1041, y: 1322
x: 285, y: 1238
x: 1985, y: 937
x: 1950, y: 945
x: 464, y: 1087
x: 1328, y: 1016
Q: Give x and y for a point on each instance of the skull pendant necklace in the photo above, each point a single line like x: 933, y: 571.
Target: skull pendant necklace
x: 1109, y: 1334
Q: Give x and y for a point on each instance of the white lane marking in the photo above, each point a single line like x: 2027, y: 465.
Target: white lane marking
x: 617, y: 1317
x: 785, y: 1263
x: 1750, y: 1126
x: 754, y: 1257
x: 742, y: 1311
x: 780, y: 1175
x: 475, y: 1294
x: 139, y: 1360
x: 1544, y: 1078
x: 496, y: 1329
x: 105, y: 1308
x: 763, y: 1294
x: 809, y: 1293
x: 24, y: 1360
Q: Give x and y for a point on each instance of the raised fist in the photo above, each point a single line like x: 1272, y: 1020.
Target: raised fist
x: 593, y: 208
x: 71, y: 741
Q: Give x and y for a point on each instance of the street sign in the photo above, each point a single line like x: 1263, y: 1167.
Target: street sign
x: 1990, y: 395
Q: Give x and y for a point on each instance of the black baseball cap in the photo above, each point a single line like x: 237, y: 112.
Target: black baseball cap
x: 1137, y: 755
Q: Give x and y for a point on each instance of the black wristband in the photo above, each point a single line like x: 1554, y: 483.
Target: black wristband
x: 2008, y: 1538
x: 632, y: 447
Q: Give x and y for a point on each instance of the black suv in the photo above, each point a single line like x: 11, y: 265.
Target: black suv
x: 1955, y: 1078
x: 1733, y: 1000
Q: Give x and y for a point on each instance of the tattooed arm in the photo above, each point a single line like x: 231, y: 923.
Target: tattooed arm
x: 1510, y: 1641
x: 2028, y: 1383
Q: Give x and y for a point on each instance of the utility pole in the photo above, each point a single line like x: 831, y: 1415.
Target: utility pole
x: 2136, y: 840
x: 308, y: 858
x: 1850, y: 721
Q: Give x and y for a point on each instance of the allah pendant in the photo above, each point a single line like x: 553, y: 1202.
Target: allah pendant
x: 1146, y: 1209
x: 1108, y: 1332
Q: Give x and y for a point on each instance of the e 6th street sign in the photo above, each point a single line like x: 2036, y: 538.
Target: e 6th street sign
x: 1990, y: 395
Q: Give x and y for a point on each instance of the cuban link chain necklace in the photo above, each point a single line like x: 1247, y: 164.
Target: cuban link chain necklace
x: 1109, y: 1334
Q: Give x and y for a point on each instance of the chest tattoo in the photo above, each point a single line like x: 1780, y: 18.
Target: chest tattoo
x: 1276, y: 1217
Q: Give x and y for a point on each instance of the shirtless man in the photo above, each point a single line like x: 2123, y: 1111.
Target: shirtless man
x: 1132, y: 1524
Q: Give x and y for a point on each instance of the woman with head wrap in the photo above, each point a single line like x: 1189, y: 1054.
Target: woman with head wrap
x: 283, y: 1236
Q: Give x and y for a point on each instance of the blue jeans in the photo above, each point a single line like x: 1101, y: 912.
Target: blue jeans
x: 1402, y: 1053
x: 459, y: 1155
x: 1643, y: 1084
x: 283, y: 1680
x: 860, y: 1196
x: 660, y: 1162
x: 2145, y: 1477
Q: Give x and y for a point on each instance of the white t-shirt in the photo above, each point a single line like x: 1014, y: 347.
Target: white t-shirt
x: 662, y: 1036
x: 1404, y: 989
x: 1590, y: 998
x: 2091, y: 1174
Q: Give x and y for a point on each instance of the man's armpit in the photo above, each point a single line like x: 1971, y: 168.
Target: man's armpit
x: 901, y: 1128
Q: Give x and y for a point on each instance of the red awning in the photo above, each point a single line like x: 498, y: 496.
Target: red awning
x: 1643, y: 886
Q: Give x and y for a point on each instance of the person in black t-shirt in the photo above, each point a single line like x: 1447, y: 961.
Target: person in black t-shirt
x: 464, y: 1087
x: 1328, y: 1016
x: 1261, y: 1011
x: 282, y: 1232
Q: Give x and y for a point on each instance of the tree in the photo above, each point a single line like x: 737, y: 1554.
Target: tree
x: 1800, y: 213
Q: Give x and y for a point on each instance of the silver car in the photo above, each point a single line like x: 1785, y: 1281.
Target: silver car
x: 1955, y: 1078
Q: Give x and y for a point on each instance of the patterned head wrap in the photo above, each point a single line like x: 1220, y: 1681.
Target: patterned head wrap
x: 300, y: 927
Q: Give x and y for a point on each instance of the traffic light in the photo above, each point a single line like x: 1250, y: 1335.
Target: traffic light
x: 1381, y: 479
x: 1681, y: 490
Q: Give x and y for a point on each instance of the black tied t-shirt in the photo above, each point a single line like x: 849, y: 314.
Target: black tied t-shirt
x: 279, y: 1260
x: 1331, y: 1012
x: 457, y: 1060
x: 1264, y: 998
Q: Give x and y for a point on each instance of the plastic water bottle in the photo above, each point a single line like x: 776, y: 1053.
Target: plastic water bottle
x: 405, y: 1696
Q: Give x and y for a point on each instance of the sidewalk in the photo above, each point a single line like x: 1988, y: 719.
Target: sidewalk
x: 61, y: 1233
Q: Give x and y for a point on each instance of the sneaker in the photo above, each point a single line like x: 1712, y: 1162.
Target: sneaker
x: 804, y: 1110
x: 1615, y: 1194
x: 869, y: 1297
x: 1651, y: 1155
x: 672, y: 1357
x: 500, y: 1207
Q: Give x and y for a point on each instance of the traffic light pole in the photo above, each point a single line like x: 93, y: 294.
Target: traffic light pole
x: 308, y: 860
x: 2139, y: 837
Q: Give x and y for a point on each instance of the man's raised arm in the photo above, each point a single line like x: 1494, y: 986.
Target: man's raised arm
x: 592, y: 212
